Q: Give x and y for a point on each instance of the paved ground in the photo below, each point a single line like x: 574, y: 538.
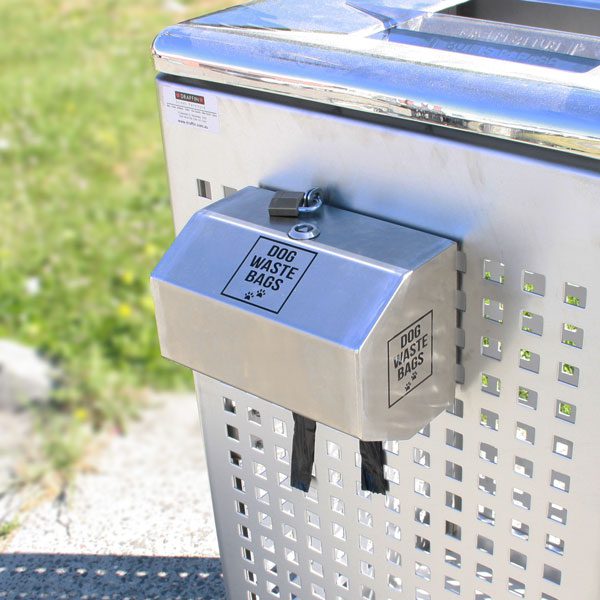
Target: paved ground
x: 15, y: 440
x: 139, y: 525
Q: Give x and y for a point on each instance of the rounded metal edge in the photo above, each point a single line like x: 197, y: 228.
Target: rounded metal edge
x: 176, y: 52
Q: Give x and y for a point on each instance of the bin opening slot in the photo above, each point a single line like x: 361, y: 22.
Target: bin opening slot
x: 574, y: 16
x: 494, y: 39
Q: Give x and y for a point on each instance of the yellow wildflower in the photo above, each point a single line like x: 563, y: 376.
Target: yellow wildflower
x: 124, y: 310
x: 127, y: 277
x: 81, y: 415
x: 151, y: 250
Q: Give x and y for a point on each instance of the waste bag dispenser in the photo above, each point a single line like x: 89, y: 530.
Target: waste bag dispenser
x: 385, y: 281
x: 343, y: 318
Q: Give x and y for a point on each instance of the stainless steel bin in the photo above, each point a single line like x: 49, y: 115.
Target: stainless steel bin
x: 475, y: 127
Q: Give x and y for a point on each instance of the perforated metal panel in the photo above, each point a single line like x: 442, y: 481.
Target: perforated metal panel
x: 497, y: 499
x: 470, y: 512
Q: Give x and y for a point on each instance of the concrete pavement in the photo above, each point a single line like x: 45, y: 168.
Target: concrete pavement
x: 137, y: 525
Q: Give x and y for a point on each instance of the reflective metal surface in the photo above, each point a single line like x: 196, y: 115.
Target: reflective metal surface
x: 591, y: 4
x: 517, y: 218
x: 395, y: 58
x: 355, y: 328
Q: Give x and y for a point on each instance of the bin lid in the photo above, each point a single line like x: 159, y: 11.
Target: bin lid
x: 410, y: 59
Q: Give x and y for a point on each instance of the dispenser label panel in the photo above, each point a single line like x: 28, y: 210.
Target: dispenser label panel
x: 191, y: 107
x: 269, y: 274
x: 410, y: 358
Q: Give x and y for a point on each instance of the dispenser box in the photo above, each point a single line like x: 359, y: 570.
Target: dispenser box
x: 354, y: 328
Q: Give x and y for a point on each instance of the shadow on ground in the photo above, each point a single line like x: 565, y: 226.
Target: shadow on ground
x: 87, y: 577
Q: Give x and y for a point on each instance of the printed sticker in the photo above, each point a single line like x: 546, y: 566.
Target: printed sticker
x: 410, y: 358
x: 191, y: 107
x: 269, y: 274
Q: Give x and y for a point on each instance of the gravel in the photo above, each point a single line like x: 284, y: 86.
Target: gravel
x: 137, y: 524
x: 15, y: 435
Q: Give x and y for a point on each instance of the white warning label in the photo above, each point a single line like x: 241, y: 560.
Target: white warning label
x: 191, y: 107
x: 410, y: 358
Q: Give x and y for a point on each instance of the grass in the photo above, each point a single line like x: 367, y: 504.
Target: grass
x: 84, y: 204
x: 7, y: 528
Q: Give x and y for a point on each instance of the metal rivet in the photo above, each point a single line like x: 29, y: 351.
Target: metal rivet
x: 303, y: 231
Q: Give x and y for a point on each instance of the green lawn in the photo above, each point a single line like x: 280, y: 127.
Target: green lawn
x: 83, y: 198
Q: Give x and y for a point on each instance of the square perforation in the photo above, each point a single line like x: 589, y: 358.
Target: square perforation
x: 491, y: 384
x: 557, y: 513
x: 454, y: 439
x: 486, y: 515
x: 453, y: 530
x: 523, y: 466
x: 493, y: 310
x: 530, y: 361
x: 457, y: 408
x: 555, y: 544
x: 491, y: 347
x: 422, y: 487
x: 566, y: 411
x: 453, y: 558
x: 487, y: 484
x: 454, y: 471
x: 422, y: 516
x: 342, y: 581
x: 518, y: 559
x: 560, y: 481
x: 489, y: 419
x: 525, y: 433
x: 422, y: 457
x: 315, y: 544
x: 488, y: 453
x: 422, y: 571
x: 575, y: 295
x: 521, y: 498
x: 452, y: 585
x: 527, y: 397
x: 493, y: 270
x: 454, y: 501
x: 516, y: 587
x: 520, y: 529
x: 532, y: 322
x: 484, y: 572
x: 393, y: 557
x: 568, y: 373
x: 392, y: 503
x: 562, y: 447
x: 571, y: 335
x: 422, y: 544
x: 366, y: 544
x: 485, y: 544
x: 534, y: 283
x: 552, y: 574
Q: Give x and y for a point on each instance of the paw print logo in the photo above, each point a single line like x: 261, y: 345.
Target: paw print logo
x: 261, y: 293
x: 248, y: 295
x: 407, y: 386
x: 414, y: 375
